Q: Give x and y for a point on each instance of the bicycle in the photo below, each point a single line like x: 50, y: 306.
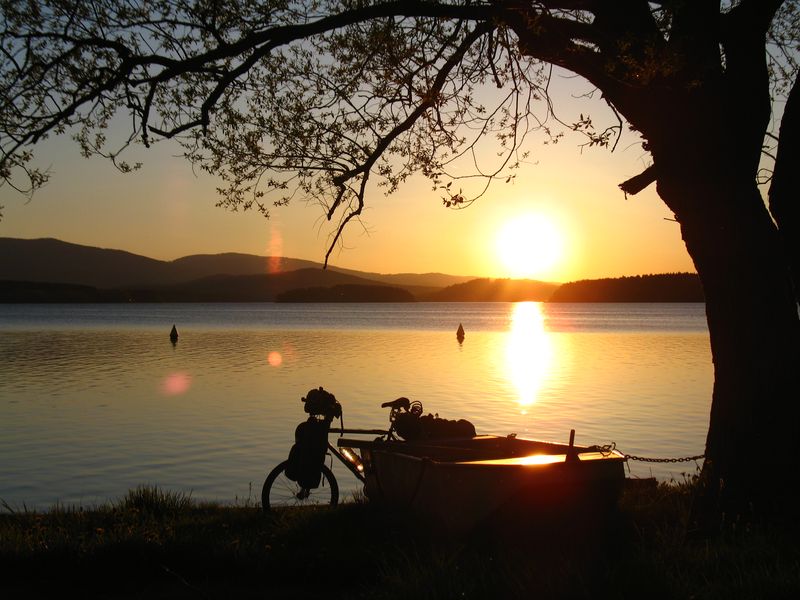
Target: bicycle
x: 288, y: 485
x: 432, y: 465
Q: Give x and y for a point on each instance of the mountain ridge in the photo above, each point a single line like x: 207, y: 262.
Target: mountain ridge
x: 663, y: 287
x: 50, y: 270
x: 49, y: 260
x: 495, y: 290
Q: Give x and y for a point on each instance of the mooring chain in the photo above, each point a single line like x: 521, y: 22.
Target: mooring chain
x: 664, y: 460
x: 609, y: 448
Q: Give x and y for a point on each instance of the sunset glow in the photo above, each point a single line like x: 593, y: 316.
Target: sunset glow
x: 530, y: 246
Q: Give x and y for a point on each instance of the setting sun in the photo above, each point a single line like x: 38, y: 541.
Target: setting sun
x: 529, y: 246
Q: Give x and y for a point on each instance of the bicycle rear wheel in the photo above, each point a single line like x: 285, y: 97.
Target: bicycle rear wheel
x: 280, y: 491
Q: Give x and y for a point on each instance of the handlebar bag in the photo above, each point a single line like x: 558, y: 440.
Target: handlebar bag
x: 323, y: 403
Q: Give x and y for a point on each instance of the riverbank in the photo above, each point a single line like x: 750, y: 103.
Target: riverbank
x: 156, y: 544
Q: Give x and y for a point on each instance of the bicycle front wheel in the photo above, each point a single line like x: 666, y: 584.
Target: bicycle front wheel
x: 280, y: 491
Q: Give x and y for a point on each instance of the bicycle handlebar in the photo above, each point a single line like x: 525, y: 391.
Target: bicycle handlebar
x: 364, y: 431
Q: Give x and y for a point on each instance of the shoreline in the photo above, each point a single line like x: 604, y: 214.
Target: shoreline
x: 159, y: 544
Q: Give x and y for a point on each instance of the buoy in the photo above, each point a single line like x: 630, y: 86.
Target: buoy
x: 460, y: 332
x: 173, y: 335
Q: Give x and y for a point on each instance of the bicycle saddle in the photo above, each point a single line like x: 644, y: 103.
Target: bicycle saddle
x: 397, y: 404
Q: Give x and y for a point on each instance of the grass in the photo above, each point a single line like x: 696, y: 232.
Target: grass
x: 159, y: 544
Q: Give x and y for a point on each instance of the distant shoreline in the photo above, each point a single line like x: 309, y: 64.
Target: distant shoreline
x: 53, y: 271
x: 598, y: 291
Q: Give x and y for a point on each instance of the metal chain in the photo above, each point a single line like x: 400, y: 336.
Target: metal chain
x: 608, y: 448
x: 664, y: 460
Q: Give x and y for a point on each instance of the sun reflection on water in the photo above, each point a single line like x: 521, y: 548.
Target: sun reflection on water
x: 144, y: 412
x: 529, y: 351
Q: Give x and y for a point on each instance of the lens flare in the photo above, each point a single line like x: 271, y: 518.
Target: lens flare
x: 275, y: 359
x: 176, y: 383
x: 274, y: 250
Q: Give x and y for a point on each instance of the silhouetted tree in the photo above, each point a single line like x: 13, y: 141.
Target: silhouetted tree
x: 317, y: 99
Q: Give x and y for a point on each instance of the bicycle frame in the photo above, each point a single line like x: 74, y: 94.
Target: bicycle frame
x: 346, y: 457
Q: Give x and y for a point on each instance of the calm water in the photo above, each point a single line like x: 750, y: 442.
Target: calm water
x: 95, y: 400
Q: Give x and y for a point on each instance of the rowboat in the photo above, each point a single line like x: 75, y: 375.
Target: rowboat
x: 465, y: 482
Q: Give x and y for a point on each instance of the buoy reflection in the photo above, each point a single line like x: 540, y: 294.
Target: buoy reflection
x: 529, y: 351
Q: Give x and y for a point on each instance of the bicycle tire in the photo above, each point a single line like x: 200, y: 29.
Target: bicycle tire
x: 281, y: 492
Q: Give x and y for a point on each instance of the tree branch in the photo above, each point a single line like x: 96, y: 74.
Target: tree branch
x: 636, y: 184
x: 261, y: 42
x: 567, y: 43
x: 428, y: 101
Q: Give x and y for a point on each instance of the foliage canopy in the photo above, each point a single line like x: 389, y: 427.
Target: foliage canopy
x: 316, y: 99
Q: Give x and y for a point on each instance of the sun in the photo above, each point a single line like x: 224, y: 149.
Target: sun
x: 530, y: 246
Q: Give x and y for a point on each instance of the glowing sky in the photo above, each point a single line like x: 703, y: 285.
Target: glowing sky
x: 166, y: 211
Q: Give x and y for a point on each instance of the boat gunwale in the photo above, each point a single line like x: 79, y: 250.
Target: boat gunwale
x: 416, y: 449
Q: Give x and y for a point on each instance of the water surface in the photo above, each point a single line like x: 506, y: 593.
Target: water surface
x: 94, y: 399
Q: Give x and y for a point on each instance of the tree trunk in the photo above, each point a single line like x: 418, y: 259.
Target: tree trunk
x: 704, y: 121
x: 754, y: 333
x: 784, y: 193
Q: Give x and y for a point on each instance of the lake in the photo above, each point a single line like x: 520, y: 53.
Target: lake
x: 95, y: 400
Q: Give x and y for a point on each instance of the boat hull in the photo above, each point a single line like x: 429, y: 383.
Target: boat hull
x: 461, y: 484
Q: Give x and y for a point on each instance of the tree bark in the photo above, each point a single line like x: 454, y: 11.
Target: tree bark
x: 754, y: 334
x: 784, y: 192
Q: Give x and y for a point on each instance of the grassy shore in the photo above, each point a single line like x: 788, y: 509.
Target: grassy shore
x: 157, y: 544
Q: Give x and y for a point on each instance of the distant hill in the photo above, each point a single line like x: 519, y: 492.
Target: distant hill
x: 198, y: 266
x: 256, y: 288
x: 428, y: 282
x: 49, y: 260
x: 217, y: 288
x: 50, y: 270
x: 668, y: 287
x: 494, y: 290
x: 52, y: 260
x: 347, y: 293
x: 55, y: 261
x: 37, y: 291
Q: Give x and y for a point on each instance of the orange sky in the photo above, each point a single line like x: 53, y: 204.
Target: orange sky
x: 166, y: 211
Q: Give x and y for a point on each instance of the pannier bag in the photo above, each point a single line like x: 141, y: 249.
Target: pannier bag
x: 307, y: 455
